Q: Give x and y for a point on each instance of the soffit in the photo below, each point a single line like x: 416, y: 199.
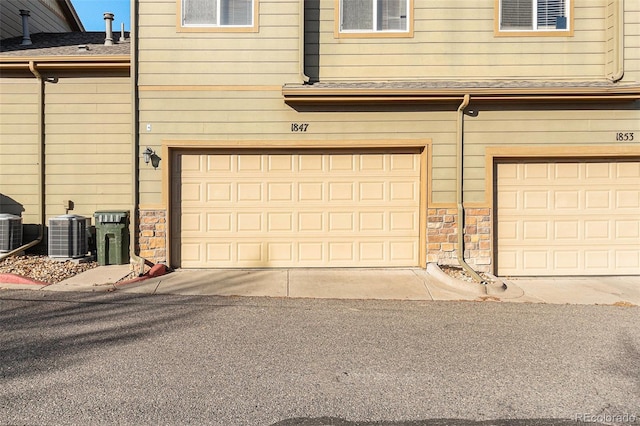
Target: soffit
x: 433, y: 90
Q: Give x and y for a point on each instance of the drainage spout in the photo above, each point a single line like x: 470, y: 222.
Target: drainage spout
x: 459, y: 185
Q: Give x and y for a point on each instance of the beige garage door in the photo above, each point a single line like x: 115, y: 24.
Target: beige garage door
x: 568, y: 218
x: 298, y: 209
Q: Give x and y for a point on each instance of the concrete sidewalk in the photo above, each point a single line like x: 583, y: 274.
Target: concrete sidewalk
x: 396, y: 284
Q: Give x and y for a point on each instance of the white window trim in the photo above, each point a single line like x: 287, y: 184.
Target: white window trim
x: 534, y: 20
x: 375, y: 19
x: 217, y: 25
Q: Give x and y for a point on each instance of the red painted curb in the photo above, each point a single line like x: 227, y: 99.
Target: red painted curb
x: 19, y: 279
x: 157, y: 270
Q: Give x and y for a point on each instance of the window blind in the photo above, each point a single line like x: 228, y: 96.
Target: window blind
x: 516, y: 14
x: 548, y: 12
x: 236, y: 12
x: 392, y: 15
x: 357, y: 15
x: 199, y: 12
x: 374, y: 15
x: 205, y: 12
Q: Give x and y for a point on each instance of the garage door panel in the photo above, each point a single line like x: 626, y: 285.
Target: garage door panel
x: 300, y: 209
x: 628, y: 199
x: 627, y: 259
x: 628, y: 170
x: 627, y: 229
x: 218, y: 163
x: 313, y: 253
x: 219, y: 191
x: 568, y: 218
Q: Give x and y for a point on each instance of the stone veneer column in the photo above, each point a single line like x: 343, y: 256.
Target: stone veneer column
x: 152, y: 235
x: 442, y: 237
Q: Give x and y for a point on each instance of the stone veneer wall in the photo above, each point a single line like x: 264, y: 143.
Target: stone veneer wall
x: 442, y: 237
x: 152, y: 235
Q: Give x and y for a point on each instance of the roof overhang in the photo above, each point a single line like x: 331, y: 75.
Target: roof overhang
x: 66, y: 62
x: 439, y: 92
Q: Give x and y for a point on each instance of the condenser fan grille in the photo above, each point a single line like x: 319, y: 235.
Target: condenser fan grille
x: 68, y: 236
x: 10, y: 232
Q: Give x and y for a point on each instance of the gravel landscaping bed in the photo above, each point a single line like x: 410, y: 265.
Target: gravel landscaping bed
x: 43, y: 268
x: 461, y: 274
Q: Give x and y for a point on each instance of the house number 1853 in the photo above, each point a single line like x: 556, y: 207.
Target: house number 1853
x: 624, y: 136
x: 299, y: 127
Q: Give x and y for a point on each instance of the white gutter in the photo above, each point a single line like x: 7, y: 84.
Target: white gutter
x: 41, y: 171
x: 459, y: 185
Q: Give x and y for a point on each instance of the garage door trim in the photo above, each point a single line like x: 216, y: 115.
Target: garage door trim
x: 172, y: 148
x: 563, y: 154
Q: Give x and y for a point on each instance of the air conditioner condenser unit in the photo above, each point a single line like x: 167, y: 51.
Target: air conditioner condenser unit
x: 10, y: 232
x: 68, y: 236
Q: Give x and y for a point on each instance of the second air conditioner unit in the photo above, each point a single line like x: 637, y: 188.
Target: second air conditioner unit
x: 68, y: 236
x: 10, y: 232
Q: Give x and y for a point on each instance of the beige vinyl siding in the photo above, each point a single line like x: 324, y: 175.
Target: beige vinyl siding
x: 632, y: 41
x: 542, y: 125
x: 611, y: 11
x: 19, y: 147
x: 454, y: 40
x: 261, y: 115
x: 88, y: 144
x: 224, y: 86
x: 268, y: 57
x: 45, y: 17
x: 210, y: 116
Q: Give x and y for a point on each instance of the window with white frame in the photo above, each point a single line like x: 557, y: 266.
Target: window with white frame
x: 374, y: 16
x: 217, y: 13
x: 534, y: 15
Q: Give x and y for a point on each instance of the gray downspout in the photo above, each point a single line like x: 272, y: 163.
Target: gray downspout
x: 459, y: 185
x: 41, y: 171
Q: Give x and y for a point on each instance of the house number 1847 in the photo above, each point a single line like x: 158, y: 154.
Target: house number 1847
x: 301, y: 127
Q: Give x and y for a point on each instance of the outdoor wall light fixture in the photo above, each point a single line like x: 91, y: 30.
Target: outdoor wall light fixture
x: 150, y: 155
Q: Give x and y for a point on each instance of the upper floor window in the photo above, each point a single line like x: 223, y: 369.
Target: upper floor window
x: 522, y: 16
x: 222, y: 14
x: 375, y: 17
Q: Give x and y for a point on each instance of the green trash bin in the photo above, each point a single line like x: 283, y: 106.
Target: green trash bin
x: 112, y: 237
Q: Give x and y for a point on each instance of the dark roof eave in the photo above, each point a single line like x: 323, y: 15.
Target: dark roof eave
x: 306, y: 94
x: 67, y: 62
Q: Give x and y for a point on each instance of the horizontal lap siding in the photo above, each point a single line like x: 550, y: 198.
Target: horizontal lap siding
x: 532, y: 126
x: 88, y: 144
x: 210, y: 115
x: 632, y: 40
x: 227, y: 86
x: 19, y: 162
x: 170, y: 60
x: 456, y: 40
x: 269, y: 56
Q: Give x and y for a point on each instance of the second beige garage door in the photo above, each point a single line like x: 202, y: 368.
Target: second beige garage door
x: 298, y: 209
x: 568, y: 218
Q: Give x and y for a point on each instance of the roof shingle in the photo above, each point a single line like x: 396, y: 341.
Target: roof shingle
x: 65, y: 44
